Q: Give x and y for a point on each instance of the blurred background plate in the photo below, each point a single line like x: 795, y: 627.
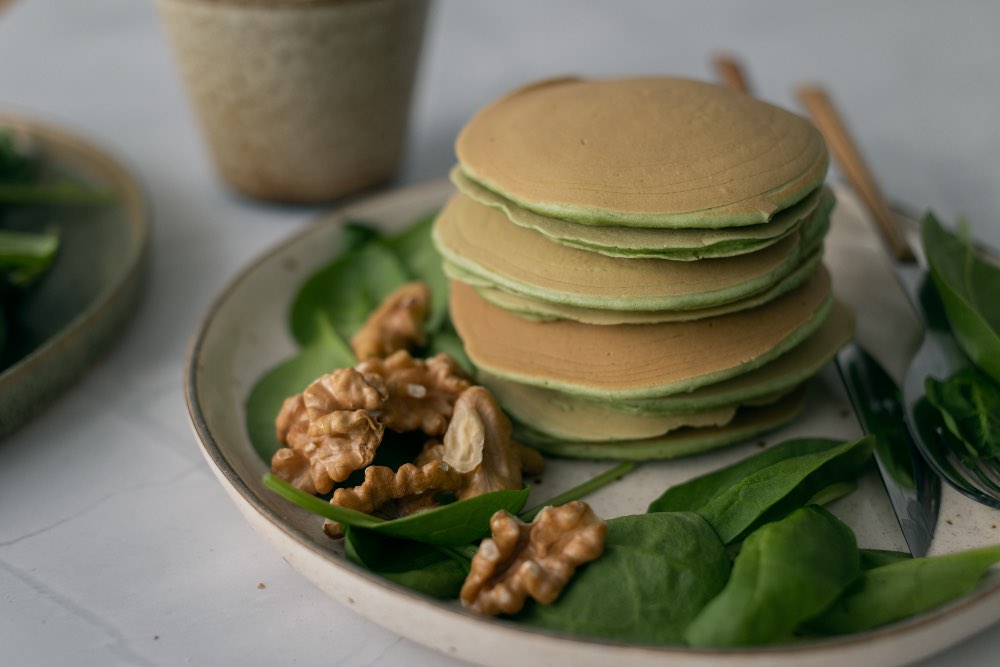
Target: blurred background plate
x: 80, y: 306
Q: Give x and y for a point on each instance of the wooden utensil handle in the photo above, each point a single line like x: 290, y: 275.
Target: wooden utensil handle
x: 820, y: 108
x: 731, y: 72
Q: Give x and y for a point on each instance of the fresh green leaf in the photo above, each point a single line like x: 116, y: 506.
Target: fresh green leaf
x: 828, y: 494
x: 694, y: 494
x: 307, y: 501
x: 325, y: 352
x: 969, y: 402
x: 968, y: 286
x: 457, y: 523
x: 655, y: 575
x: 346, y: 291
x: 421, y: 567
x: 905, y: 588
x: 16, y: 165
x: 878, y: 557
x: 450, y: 344
x: 768, y: 486
x: 26, y: 256
x: 786, y: 573
x: 416, y: 251
x: 59, y: 193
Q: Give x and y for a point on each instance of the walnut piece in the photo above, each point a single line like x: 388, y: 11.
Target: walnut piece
x: 478, y: 444
x: 532, y: 461
x: 421, y: 393
x: 397, y: 324
x: 329, y: 430
x: 391, y: 495
x: 531, y: 560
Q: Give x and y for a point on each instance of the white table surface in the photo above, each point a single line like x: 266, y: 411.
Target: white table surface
x: 117, y: 545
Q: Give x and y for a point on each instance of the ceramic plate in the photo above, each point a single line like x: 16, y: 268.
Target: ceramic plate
x: 245, y: 333
x: 82, y: 303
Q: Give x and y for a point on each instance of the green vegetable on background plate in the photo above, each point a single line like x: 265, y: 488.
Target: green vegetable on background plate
x: 28, y: 248
x: 969, y: 403
x: 969, y: 287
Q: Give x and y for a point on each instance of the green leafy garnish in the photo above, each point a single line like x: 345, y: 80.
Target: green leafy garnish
x: 787, y: 572
x: 969, y: 403
x: 767, y: 486
x: 656, y: 574
x: 421, y: 567
x: 325, y: 352
x: 968, y: 286
x: 903, y: 588
x: 26, y: 256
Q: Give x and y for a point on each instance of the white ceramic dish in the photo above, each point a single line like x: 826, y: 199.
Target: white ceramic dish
x: 245, y: 333
x: 78, y: 309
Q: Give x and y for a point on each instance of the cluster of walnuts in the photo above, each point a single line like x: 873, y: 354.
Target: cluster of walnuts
x: 335, y: 426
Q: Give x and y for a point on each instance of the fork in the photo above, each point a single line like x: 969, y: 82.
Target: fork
x: 939, y: 354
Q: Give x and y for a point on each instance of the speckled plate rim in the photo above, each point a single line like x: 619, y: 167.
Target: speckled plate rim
x: 448, y: 628
x: 66, y: 355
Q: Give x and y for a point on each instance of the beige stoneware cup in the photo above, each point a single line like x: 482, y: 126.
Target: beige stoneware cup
x: 299, y: 100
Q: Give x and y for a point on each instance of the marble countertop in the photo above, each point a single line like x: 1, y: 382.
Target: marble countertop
x: 117, y: 544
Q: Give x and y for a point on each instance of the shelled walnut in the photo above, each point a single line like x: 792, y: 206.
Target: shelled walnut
x: 390, y: 495
x: 478, y: 443
x: 397, y: 324
x: 534, y: 560
x: 421, y: 393
x: 329, y: 430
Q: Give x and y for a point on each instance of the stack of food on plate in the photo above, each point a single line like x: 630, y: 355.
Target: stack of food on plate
x: 636, y: 263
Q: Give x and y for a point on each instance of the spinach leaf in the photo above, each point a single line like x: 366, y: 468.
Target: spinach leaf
x: 458, y: 523
x: 656, y: 573
x: 316, y: 505
x: 449, y: 343
x: 905, y: 588
x: 752, y: 492
x: 26, y: 256
x: 325, y: 352
x: 871, y: 558
x: 787, y: 572
x: 421, y: 567
x: 416, y: 251
x: 696, y: 493
x: 345, y: 291
x: 969, y: 403
x: 968, y: 286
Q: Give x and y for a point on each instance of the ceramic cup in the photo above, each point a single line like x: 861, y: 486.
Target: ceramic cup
x: 299, y: 100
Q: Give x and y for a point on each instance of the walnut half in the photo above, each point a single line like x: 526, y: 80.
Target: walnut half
x: 397, y: 324
x: 534, y: 560
x: 391, y: 495
x: 328, y: 430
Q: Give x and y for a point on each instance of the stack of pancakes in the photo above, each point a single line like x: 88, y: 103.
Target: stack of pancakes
x: 636, y: 263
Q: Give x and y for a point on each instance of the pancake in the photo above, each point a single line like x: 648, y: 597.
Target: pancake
x: 632, y: 361
x: 658, y: 152
x: 749, y: 422
x: 776, y: 378
x: 674, y: 244
x: 480, y: 240
x: 537, y: 309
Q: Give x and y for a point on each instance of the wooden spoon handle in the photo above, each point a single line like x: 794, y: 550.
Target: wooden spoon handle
x: 820, y: 108
x: 731, y: 72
